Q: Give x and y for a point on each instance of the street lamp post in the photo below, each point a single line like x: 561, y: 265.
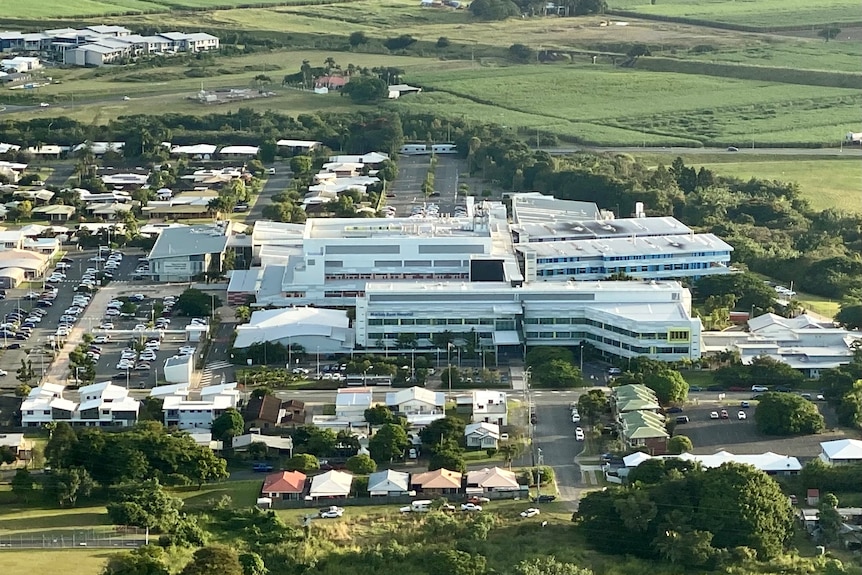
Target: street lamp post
x: 449, y: 365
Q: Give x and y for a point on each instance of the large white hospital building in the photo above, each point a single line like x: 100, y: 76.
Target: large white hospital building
x: 528, y: 277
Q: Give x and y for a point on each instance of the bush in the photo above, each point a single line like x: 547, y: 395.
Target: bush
x: 787, y: 414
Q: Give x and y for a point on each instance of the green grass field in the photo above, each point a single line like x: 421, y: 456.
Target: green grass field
x: 71, y: 561
x: 650, y: 106
x: 825, y: 182
x: 759, y: 13
x: 64, y: 9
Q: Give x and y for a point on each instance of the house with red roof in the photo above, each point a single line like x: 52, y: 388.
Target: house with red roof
x: 284, y: 486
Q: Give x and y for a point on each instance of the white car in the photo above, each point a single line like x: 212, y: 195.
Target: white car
x: 759, y: 388
x: 300, y: 371
x: 106, y: 325
x: 112, y: 312
x: 148, y: 356
x: 741, y: 415
x: 331, y: 512
x: 186, y: 350
x: 470, y: 507
x: 579, y: 434
x: 576, y: 418
x: 153, y: 345
x: 713, y: 415
x: 531, y: 512
x: 140, y: 327
x: 102, y: 339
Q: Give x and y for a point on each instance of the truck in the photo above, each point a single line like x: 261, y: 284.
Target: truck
x: 854, y: 138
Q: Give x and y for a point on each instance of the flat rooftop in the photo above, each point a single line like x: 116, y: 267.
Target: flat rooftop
x: 628, y: 246
x: 350, y: 228
x: 584, y: 229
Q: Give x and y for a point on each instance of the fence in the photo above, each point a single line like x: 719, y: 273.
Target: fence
x: 107, y: 537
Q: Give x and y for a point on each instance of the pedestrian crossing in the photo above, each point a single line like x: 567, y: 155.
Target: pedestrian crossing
x: 207, y: 375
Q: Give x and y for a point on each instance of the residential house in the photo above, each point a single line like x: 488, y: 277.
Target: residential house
x: 329, y: 485
x: 184, y: 409
x: 417, y: 403
x: 331, y: 82
x: 644, y: 429
x: 284, y: 486
x: 22, y: 264
x: 351, y: 403
x: 770, y: 463
x: 287, y: 147
x: 239, y: 152
x: 20, y: 64
x: 841, y: 451
x: 21, y: 447
x: 101, y: 405
x: 294, y: 412
x: 263, y: 412
x: 482, y: 435
x: 197, y: 151
x: 439, y: 482
x: 55, y: 213
x: 275, y: 445
x: 634, y: 397
x: 490, y: 407
x: 388, y: 483
x: 491, y: 480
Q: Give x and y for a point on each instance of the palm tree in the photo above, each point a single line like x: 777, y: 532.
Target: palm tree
x: 511, y: 451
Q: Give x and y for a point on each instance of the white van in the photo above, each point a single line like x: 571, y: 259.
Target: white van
x: 418, y: 506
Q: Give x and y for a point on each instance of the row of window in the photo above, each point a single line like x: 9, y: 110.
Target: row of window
x: 567, y: 259
x: 630, y: 269
x: 434, y: 321
x: 397, y: 276
x: 607, y: 327
x: 580, y: 336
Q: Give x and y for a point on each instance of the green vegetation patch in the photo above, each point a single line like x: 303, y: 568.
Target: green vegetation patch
x: 826, y: 183
x: 762, y: 13
x: 63, y: 8
x: 681, y: 106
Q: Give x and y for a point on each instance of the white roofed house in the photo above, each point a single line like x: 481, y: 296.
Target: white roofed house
x: 185, y: 409
x: 196, y: 151
x: 330, y: 485
x: 293, y: 147
x: 388, y: 483
x: 180, y: 254
x: 241, y: 152
x: 841, y: 452
x: 417, y: 404
x: 482, y: 435
x: 101, y: 405
x: 351, y: 403
x: 490, y: 407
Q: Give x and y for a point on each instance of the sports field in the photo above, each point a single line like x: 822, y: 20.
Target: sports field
x: 704, y: 109
x: 758, y: 13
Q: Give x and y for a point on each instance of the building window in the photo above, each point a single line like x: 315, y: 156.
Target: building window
x: 678, y: 335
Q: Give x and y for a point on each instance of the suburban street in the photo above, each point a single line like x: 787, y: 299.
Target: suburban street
x: 275, y: 183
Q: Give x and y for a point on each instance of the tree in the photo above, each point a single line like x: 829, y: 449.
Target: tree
x: 195, y: 303
x: 23, y: 485
x: 303, y: 462
x: 66, y: 485
x: 7, y: 455
x: 215, y: 560
x: 787, y: 414
x: 829, y: 33
x: 668, y: 385
x: 521, y: 53
x: 22, y: 390
x: 301, y: 165
x: 357, y: 38
x: 25, y: 209
x: 61, y: 445
x: 380, y: 415
x: 749, y: 289
x: 145, y: 504
x: 361, y: 464
x: 447, y: 458
x: 146, y: 560
x: 228, y: 425
x: 593, y: 404
x: 315, y: 440
x: 557, y: 374
x: 679, y: 444
x: 365, y: 89
x: 25, y: 374
x: 743, y: 507
x: 388, y: 443
x: 445, y: 429
x: 493, y: 9
x: 511, y: 450
x: 399, y: 42
x: 443, y: 42
x: 850, y: 316
x: 242, y: 314
x: 451, y: 376
x: 548, y: 566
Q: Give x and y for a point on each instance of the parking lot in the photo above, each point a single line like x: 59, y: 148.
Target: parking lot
x: 741, y: 436
x: 37, y: 348
x: 405, y: 193
x: 120, y: 314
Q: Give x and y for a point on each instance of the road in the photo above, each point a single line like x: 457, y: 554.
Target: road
x: 275, y: 183
x: 841, y: 151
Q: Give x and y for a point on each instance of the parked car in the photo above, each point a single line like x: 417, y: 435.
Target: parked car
x: 724, y: 414
x: 471, y: 507
x: 682, y: 419
x: 741, y: 415
x: 744, y: 405
x: 674, y: 409
x: 332, y: 512
x: 759, y: 388
x: 544, y: 498
x: 531, y: 512
x: 579, y: 434
x: 477, y: 500
x: 261, y: 467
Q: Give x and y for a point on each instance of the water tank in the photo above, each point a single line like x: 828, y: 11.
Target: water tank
x: 639, y: 209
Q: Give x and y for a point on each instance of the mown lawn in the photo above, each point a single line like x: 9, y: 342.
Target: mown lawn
x: 70, y: 561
